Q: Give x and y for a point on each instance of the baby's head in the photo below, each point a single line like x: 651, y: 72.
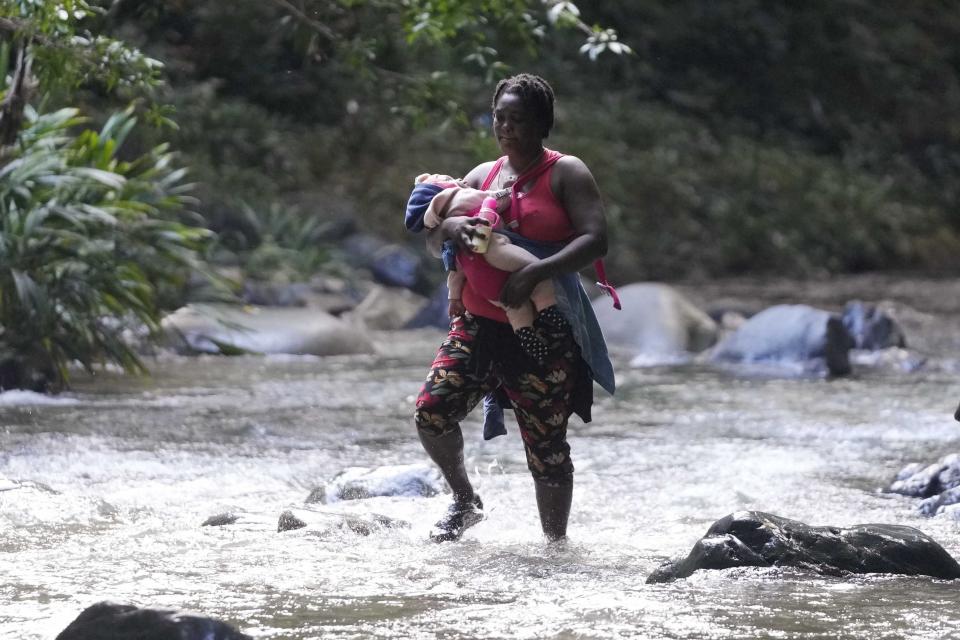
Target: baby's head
x: 440, y: 180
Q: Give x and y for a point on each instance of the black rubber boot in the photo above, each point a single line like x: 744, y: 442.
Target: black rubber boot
x: 460, y: 516
x: 467, y: 510
x: 553, y: 503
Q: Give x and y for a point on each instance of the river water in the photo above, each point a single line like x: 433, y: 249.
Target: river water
x: 117, y: 476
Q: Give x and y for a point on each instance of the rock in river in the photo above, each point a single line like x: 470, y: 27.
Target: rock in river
x: 937, y: 483
x: 111, y: 621
x: 657, y: 323
x: 359, y: 483
x: 758, y: 539
x: 787, y: 334
x: 232, y: 329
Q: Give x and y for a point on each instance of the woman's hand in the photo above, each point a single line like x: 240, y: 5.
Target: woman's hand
x: 519, y: 286
x: 463, y: 230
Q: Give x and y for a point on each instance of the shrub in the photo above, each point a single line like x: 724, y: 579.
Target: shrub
x: 86, y: 243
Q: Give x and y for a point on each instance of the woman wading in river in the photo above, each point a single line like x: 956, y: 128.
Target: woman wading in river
x: 551, y: 205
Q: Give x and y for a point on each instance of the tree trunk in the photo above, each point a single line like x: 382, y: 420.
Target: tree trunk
x: 11, y: 109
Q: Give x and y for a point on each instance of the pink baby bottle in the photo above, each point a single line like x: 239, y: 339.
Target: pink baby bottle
x: 488, y: 211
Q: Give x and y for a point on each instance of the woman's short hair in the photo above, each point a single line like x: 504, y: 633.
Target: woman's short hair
x: 535, y: 93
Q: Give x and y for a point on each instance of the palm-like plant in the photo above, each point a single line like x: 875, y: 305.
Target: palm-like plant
x: 86, y: 239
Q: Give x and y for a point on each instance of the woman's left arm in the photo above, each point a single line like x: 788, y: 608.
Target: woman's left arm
x: 577, y: 191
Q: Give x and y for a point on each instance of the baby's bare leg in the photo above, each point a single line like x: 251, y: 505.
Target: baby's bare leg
x: 521, y: 316
x: 543, y: 295
x: 506, y: 256
x: 521, y: 321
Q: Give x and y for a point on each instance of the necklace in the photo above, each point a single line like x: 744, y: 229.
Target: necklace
x: 508, y: 182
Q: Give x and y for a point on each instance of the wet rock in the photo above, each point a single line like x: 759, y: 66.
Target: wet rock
x: 111, y: 621
x: 326, y: 522
x: 657, y: 323
x: 374, y: 523
x: 758, y: 539
x: 956, y: 415
x: 433, y: 313
x: 289, y: 522
x: 891, y: 358
x: 317, y: 495
x: 390, y: 264
x: 228, y: 329
x: 872, y: 327
x: 937, y: 483
x: 388, y: 308
x: 221, y: 519
x: 789, y: 334
x: 935, y: 505
x: 359, y: 483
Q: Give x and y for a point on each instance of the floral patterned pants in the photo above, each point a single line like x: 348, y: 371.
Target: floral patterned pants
x: 482, y: 355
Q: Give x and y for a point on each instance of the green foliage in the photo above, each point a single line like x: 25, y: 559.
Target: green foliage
x: 67, y: 51
x: 87, y: 239
x: 286, y: 243
x: 742, y: 136
x: 687, y: 200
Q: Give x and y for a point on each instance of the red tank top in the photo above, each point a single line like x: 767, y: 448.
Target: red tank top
x: 534, y: 214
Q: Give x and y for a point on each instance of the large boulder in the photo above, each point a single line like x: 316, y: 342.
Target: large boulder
x: 657, y: 323
x: 359, y: 483
x: 111, y: 621
x: 230, y: 329
x: 389, y: 308
x: 758, y: 539
x: 789, y: 334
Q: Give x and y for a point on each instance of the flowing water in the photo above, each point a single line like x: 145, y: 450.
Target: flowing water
x: 117, y: 477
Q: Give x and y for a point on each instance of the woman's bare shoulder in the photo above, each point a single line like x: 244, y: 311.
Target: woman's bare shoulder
x: 478, y: 174
x: 572, y: 165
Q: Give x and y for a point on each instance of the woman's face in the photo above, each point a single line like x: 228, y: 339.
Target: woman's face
x: 514, y: 126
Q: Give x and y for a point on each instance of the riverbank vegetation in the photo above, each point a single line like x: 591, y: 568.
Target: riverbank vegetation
x: 739, y: 137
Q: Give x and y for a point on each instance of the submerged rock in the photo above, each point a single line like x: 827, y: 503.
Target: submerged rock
x: 289, y: 522
x: 789, y: 334
x: 937, y: 483
x: 366, y: 526
x: 327, y: 522
x: 229, y: 329
x: 657, y: 323
x: 359, y: 483
x: 111, y: 621
x: 221, y: 519
x: 758, y: 539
